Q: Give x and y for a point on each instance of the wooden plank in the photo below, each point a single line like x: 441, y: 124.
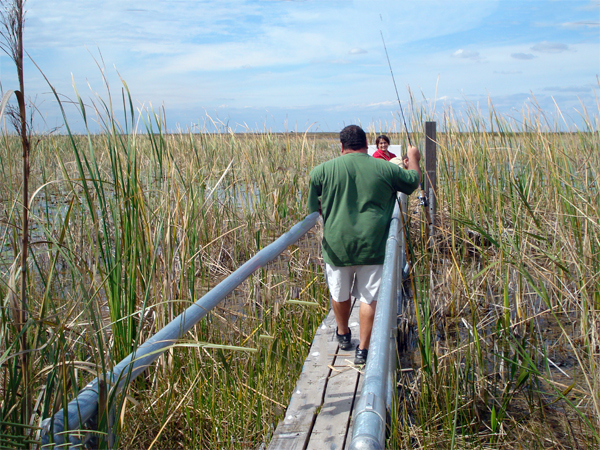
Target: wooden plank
x: 353, y: 415
x: 293, y: 431
x: 331, y: 425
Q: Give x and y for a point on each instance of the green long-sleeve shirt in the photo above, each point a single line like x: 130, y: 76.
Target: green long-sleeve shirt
x: 357, y: 195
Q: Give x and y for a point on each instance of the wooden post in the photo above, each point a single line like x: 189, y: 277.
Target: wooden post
x: 430, y: 185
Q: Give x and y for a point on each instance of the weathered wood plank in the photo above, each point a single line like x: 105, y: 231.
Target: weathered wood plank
x: 331, y: 425
x: 353, y: 415
x: 293, y: 432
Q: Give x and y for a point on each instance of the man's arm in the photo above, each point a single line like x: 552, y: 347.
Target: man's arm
x: 407, y: 181
x: 413, y: 160
x: 313, y: 197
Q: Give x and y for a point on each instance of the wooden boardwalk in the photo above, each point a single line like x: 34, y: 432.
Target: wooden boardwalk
x: 319, y: 415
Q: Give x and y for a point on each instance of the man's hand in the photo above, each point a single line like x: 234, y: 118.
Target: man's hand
x: 413, y: 160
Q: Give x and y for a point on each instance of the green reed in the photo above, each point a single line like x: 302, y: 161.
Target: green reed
x: 508, y: 355
x: 130, y: 229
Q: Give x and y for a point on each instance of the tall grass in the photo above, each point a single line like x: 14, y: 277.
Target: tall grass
x: 509, y: 293
x: 131, y: 226
x: 130, y: 229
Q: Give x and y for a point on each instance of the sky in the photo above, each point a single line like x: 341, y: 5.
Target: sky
x: 308, y: 65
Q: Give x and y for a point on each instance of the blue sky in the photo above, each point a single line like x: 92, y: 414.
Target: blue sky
x: 312, y: 64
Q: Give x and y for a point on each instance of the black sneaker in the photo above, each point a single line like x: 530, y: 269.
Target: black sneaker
x: 344, y: 340
x: 361, y: 356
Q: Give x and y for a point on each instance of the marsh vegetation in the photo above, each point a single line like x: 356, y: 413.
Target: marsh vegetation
x: 508, y: 295
x: 130, y: 226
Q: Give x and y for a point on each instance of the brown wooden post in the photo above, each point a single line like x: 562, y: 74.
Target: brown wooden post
x: 430, y: 184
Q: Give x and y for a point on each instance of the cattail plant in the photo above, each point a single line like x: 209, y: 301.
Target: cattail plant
x: 12, y: 20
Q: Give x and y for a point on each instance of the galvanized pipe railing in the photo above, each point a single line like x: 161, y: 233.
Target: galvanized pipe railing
x: 85, y: 406
x: 379, y: 386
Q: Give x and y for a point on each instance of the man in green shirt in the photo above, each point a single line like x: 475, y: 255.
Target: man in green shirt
x: 357, y: 194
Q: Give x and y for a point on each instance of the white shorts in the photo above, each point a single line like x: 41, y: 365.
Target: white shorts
x: 362, y: 281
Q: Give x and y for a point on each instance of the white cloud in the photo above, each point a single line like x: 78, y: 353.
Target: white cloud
x: 550, y: 47
x: 467, y: 54
x: 523, y: 56
x: 378, y: 104
x: 594, y: 5
x: 576, y: 89
x: 582, y: 24
x: 508, y: 72
x: 199, y: 54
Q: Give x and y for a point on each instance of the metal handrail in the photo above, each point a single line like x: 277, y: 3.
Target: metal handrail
x: 378, y: 390
x: 85, y: 406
